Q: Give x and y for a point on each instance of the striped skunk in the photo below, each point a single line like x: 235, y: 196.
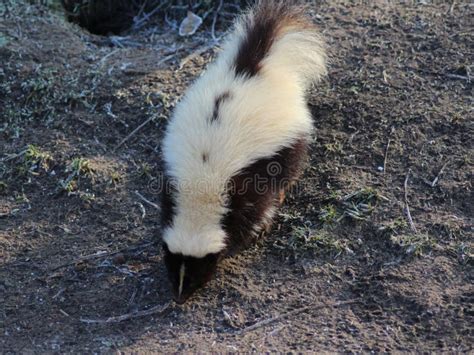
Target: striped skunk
x: 237, y: 140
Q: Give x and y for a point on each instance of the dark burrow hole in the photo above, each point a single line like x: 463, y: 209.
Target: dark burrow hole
x: 112, y: 17
x: 103, y: 17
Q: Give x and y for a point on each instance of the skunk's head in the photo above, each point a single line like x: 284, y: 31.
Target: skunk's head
x: 187, y: 273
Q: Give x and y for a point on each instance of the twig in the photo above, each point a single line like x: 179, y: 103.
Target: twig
x: 121, y: 318
x: 148, y: 120
x: 139, y: 22
x: 102, y: 254
x: 451, y: 8
x: 142, y: 209
x: 407, y: 207
x: 58, y: 293
x: 214, y: 21
x: 366, y: 168
x: 63, y: 185
x: 196, y: 53
x: 460, y: 77
x: 13, y: 156
x: 142, y: 8
x: 351, y: 138
x: 165, y: 59
x: 462, y: 33
x: 170, y: 23
x: 385, y: 157
x: 152, y: 204
x: 64, y: 313
x: 448, y: 75
x: 7, y: 11
x: 436, y: 179
x: 105, y: 57
x: 291, y: 313
x: 169, y: 55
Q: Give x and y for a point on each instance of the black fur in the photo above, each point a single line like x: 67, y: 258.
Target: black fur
x: 168, y: 201
x: 198, y: 271
x: 256, y: 189
x: 261, y: 31
x: 217, y: 104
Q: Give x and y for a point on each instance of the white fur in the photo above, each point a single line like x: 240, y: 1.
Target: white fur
x: 263, y: 114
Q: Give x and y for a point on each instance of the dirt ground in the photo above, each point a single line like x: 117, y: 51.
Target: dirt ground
x: 344, y: 269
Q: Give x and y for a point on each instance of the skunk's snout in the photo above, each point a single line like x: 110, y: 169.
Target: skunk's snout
x: 179, y: 300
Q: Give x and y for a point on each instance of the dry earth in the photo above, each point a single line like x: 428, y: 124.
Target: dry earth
x: 343, y: 269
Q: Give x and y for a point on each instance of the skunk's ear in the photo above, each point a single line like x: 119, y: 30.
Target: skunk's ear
x: 165, y: 247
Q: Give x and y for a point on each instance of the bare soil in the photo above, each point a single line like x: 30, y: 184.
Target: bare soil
x: 343, y: 269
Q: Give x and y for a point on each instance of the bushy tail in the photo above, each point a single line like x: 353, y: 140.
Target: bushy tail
x: 277, y: 35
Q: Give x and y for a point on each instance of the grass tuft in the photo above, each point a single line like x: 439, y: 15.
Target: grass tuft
x: 414, y: 244
x: 334, y: 148
x: 145, y: 171
x: 3, y: 187
x: 115, y: 178
x: 78, y: 167
x: 360, y: 204
x: 329, y: 214
x: 305, y: 239
x: 463, y: 252
x: 35, y: 157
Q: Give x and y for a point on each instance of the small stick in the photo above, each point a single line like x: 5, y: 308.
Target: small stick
x: 58, y: 293
x: 214, y: 20
x: 195, y: 54
x: 64, y: 184
x: 385, y: 157
x: 407, y: 208
x: 13, y: 156
x: 142, y: 209
x: 7, y: 11
x: 165, y: 59
x: 105, y: 57
x: 436, y: 179
x: 451, y: 8
x: 148, y: 120
x: 454, y: 76
x: 121, y: 318
x: 351, y: 138
x: 152, y: 204
x: 63, y: 312
x: 467, y: 33
x: 139, y: 22
x: 291, y: 313
x: 460, y: 77
x: 99, y: 255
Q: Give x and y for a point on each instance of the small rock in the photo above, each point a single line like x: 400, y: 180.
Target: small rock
x: 190, y: 24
